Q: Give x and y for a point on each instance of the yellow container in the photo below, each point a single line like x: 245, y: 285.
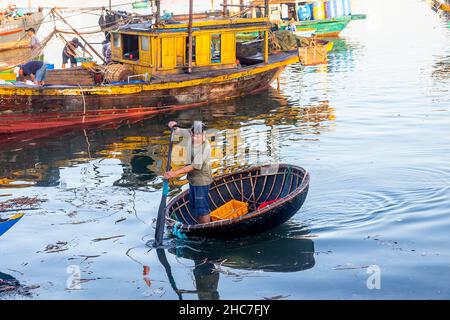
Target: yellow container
x: 230, y: 210
x: 319, y: 11
x: 8, y: 75
x: 88, y: 65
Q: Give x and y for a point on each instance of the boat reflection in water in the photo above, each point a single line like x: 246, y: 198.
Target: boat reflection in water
x: 441, y: 69
x: 141, y: 146
x: 283, y: 250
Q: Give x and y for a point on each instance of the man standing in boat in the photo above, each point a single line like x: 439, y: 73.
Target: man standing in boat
x: 35, y: 44
x: 198, y: 169
x: 69, y: 53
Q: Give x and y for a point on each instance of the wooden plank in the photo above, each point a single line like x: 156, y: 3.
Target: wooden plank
x: 77, y: 76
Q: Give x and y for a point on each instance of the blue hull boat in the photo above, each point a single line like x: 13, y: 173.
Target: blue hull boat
x: 7, y: 224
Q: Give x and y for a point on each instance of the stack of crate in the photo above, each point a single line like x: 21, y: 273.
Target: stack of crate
x: 8, y: 75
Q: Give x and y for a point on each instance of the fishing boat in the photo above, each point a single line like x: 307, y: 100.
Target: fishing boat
x: 328, y: 18
x: 156, y: 67
x: 273, y: 194
x: 14, y: 22
x: 313, y: 51
x: 6, y: 224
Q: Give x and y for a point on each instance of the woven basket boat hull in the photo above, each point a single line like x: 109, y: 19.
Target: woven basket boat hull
x: 257, y: 185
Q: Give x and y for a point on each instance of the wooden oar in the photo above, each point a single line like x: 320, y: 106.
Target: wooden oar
x: 161, y: 220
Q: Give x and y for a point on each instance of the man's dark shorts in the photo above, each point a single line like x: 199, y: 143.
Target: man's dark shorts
x: 198, y: 201
x: 66, y: 58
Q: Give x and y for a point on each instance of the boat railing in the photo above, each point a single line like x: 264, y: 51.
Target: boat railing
x: 145, y: 76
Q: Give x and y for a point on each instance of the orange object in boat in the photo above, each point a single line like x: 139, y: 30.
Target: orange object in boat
x: 230, y: 210
x: 267, y: 203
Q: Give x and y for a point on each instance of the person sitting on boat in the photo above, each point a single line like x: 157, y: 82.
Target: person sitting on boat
x: 69, y: 53
x: 198, y: 169
x: 37, y: 70
x: 35, y: 44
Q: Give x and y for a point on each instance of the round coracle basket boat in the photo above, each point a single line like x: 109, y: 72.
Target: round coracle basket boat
x: 273, y: 194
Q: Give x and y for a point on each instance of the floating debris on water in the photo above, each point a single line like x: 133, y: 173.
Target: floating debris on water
x: 107, y: 238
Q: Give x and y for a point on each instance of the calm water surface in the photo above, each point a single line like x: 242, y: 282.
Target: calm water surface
x: 372, y: 127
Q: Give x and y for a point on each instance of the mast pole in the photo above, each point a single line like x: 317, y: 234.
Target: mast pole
x: 55, y: 11
x: 158, y: 12
x: 190, y: 51
x: 225, y: 7
x: 266, y: 33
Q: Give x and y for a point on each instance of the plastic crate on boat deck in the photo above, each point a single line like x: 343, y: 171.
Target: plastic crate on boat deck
x: 230, y: 210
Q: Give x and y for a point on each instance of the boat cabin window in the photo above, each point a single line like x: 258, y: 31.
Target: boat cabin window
x: 216, y: 52
x: 145, y: 43
x: 275, y: 12
x: 250, y: 48
x: 130, y: 47
x: 116, y: 40
x: 288, y: 11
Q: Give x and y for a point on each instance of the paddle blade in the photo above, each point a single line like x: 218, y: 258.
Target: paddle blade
x: 161, y: 219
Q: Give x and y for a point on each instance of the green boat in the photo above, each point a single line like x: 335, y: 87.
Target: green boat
x: 327, y: 27
x: 140, y: 5
x: 284, y: 13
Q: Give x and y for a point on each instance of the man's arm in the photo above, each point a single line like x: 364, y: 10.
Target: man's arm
x: 186, y: 133
x: 178, y: 173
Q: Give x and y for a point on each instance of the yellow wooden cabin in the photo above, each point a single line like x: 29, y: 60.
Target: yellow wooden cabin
x: 164, y: 49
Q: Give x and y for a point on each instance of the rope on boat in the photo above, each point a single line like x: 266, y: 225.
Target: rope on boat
x: 84, y: 103
x: 95, y: 8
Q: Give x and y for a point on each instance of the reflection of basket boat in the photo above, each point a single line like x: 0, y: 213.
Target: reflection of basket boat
x: 268, y: 253
x: 255, y: 186
x: 314, y: 51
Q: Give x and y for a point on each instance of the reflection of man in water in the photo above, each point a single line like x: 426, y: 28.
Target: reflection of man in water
x: 206, y: 280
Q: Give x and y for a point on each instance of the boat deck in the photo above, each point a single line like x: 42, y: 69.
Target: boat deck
x: 70, y: 78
